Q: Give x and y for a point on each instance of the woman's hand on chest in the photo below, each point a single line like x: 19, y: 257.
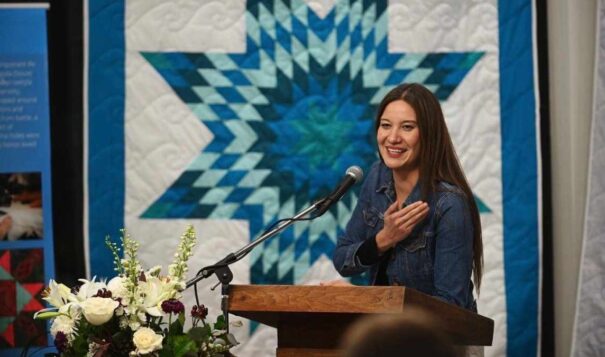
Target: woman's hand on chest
x: 399, y: 223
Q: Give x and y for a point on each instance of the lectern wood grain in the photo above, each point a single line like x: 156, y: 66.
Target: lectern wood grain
x: 313, y: 318
x: 334, y: 299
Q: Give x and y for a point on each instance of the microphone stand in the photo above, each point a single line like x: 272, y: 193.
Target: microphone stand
x: 221, y: 268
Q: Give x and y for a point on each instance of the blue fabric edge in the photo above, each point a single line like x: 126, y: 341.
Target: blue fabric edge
x: 520, y: 174
x: 106, y: 98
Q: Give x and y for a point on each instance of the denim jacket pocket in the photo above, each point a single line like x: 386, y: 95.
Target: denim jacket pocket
x: 415, y: 242
x: 416, y: 266
x: 372, y: 216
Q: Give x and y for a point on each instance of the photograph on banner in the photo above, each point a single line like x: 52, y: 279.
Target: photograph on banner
x: 21, y: 206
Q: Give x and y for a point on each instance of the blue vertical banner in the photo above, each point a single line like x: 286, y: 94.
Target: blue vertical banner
x: 26, y: 240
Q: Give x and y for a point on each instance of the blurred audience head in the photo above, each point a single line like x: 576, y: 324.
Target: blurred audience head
x: 412, y: 333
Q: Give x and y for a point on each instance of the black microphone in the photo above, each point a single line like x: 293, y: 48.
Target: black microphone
x: 352, y: 176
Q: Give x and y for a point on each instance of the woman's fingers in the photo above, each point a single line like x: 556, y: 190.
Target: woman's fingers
x: 388, y: 214
x: 394, y: 211
x: 407, y: 209
x: 416, y: 217
x: 399, y: 223
x: 416, y: 212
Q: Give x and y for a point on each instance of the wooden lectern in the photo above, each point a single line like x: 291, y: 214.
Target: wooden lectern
x: 311, y: 320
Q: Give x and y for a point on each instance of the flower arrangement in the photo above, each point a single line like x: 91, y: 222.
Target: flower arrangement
x: 137, y: 313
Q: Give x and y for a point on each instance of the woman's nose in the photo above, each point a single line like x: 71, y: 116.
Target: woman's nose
x: 394, y: 137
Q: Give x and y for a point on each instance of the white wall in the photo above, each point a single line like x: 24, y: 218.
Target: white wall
x: 571, y: 41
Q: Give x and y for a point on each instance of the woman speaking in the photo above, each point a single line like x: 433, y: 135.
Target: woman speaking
x: 416, y: 222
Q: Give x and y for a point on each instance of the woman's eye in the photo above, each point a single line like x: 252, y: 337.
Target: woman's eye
x: 408, y: 127
x: 385, y: 125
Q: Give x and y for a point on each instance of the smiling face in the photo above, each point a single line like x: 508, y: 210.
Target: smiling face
x: 398, y: 137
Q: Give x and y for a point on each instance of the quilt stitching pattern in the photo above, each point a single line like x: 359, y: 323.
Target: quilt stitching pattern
x: 288, y: 117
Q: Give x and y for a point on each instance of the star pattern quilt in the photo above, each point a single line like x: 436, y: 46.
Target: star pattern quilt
x: 230, y: 115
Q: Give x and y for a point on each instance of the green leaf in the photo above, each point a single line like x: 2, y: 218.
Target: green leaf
x: 48, y: 315
x: 181, y: 345
x: 182, y: 318
x: 220, y: 323
x: 166, y: 352
x: 199, y: 333
x: 176, y: 328
x: 79, y: 346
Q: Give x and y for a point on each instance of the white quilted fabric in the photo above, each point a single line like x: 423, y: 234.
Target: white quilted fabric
x: 163, y: 136
x: 589, y: 330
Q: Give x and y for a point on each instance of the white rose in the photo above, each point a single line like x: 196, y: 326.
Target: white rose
x: 146, y: 340
x: 98, y: 310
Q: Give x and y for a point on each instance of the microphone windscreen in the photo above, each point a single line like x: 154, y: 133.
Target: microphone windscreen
x: 356, y: 172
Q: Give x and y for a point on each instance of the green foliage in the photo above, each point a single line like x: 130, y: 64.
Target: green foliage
x: 79, y: 346
x: 176, y: 328
x: 49, y: 315
x: 220, y: 323
x: 179, y: 346
x: 199, y: 334
x: 181, y: 319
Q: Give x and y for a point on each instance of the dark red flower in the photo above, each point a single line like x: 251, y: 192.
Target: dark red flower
x: 61, y: 341
x: 173, y: 306
x: 103, y: 293
x: 199, y: 312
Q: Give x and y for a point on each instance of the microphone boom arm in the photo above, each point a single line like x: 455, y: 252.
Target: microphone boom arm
x: 221, y: 268
x: 234, y: 257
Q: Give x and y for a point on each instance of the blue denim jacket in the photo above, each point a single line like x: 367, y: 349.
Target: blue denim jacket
x: 436, y: 258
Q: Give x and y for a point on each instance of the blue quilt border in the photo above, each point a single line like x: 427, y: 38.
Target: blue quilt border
x: 520, y: 176
x: 106, y: 150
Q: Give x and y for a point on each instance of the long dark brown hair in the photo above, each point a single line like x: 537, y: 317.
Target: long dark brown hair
x: 437, y: 158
